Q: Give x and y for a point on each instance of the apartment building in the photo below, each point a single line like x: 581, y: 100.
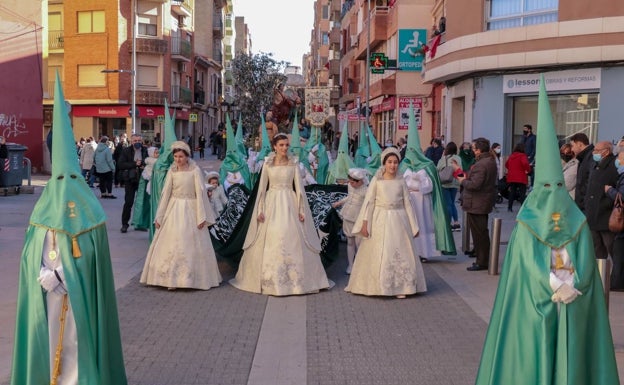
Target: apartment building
x: 485, y: 70
x: 381, y: 56
x: 112, y: 54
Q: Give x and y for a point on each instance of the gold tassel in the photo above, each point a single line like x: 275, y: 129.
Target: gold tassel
x: 75, y: 248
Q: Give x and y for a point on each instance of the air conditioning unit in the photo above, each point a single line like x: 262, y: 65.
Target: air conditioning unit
x: 182, y: 66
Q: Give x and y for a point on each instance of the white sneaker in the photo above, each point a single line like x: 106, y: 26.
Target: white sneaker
x: 348, y: 269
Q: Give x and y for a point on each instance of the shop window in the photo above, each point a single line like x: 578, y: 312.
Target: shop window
x: 572, y: 113
x: 503, y: 14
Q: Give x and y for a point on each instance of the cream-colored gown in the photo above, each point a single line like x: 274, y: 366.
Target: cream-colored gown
x: 181, y: 255
x: 386, y: 262
x: 281, y: 254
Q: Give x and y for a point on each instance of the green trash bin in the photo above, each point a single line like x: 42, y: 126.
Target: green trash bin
x: 12, y: 168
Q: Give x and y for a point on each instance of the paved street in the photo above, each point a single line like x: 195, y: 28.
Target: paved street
x: 226, y: 336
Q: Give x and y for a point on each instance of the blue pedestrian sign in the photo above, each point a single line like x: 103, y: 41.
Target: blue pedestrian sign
x: 411, y: 50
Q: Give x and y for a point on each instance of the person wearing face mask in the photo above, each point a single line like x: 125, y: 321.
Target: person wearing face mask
x: 617, y: 272
x: 598, y: 205
x: 131, y: 164
x: 467, y: 156
x: 569, y: 163
x: 529, y: 148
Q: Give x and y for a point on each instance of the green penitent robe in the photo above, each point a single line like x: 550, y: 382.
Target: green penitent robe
x: 530, y: 341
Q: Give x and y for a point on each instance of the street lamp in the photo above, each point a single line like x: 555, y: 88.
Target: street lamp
x: 132, y: 72
x: 133, y: 112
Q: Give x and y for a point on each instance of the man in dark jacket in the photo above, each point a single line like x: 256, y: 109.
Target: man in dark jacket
x: 598, y: 205
x: 583, y: 151
x: 478, y: 197
x: 529, y: 149
x: 130, y: 165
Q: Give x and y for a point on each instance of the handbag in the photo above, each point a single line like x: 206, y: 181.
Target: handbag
x: 446, y: 173
x: 616, y: 219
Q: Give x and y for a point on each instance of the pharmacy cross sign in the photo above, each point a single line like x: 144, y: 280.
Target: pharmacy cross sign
x: 378, y: 62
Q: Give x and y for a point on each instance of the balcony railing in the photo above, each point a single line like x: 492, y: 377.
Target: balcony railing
x: 180, y: 47
x: 181, y: 95
x: 56, y: 39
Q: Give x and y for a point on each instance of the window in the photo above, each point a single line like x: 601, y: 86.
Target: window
x: 90, y: 75
x: 91, y: 22
x: 572, y: 113
x: 325, y: 38
x: 147, y: 29
x: 147, y: 76
x: 325, y: 12
x: 516, y: 13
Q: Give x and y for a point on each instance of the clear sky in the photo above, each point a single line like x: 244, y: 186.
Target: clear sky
x: 281, y: 27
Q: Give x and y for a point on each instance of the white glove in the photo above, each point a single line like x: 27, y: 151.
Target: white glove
x: 565, y: 294
x: 49, y: 280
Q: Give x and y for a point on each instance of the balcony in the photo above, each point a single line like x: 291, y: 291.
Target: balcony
x: 151, y: 46
x: 180, y: 49
x: 334, y: 67
x: 181, y: 95
x: 151, y: 97
x: 56, y: 40
x: 182, y: 7
x: 217, y: 55
x: 334, y: 36
x: 199, y: 97
x: 378, y: 31
x: 386, y: 86
x: 218, y: 30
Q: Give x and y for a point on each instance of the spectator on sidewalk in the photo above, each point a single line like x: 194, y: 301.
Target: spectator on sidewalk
x: 87, y: 156
x: 449, y: 190
x: 518, y: 169
x: 131, y: 164
x: 598, y: 205
x: 478, y: 197
x: 104, y: 168
x: 435, y: 150
x: 583, y: 151
x: 570, y: 167
x: 617, y: 271
x: 529, y: 147
x: 4, y: 151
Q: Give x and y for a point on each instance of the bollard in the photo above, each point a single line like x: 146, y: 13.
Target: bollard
x: 465, y: 233
x: 494, y: 246
x: 604, y: 269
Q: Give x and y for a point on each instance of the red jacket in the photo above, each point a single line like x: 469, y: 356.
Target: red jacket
x: 517, y: 168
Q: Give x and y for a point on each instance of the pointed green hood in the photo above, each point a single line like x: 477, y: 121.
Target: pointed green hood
x: 233, y: 161
x: 375, y: 152
x: 240, y: 141
x: 414, y: 157
x: 161, y: 167
x: 67, y: 204
x: 266, y: 142
x: 340, y: 168
x: 363, y: 151
x: 295, y: 140
x: 548, y: 211
x: 414, y: 161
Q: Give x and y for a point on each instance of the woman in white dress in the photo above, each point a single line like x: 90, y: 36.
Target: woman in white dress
x: 181, y: 254
x: 386, y: 262
x: 281, y: 250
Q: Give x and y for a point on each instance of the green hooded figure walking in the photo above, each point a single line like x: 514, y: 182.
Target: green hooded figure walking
x: 549, y: 324
x: 67, y: 330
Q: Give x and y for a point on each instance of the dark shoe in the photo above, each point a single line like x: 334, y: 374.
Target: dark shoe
x: 423, y: 260
x: 476, y: 267
x: 124, y: 228
x: 469, y: 252
x: 112, y: 197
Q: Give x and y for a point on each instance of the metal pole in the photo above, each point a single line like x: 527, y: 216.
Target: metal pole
x: 134, y: 66
x: 604, y: 269
x: 495, y: 246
